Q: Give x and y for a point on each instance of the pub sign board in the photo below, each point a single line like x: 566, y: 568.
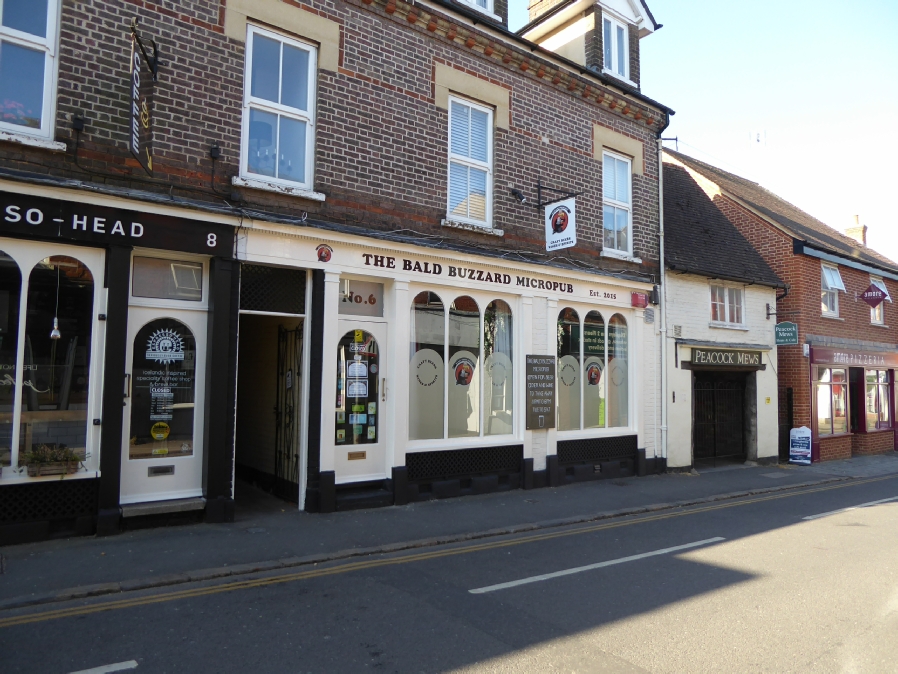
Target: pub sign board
x: 141, y: 137
x: 873, y: 295
x: 38, y: 217
x: 561, y: 224
x: 786, y: 333
x: 726, y: 358
x: 540, y: 398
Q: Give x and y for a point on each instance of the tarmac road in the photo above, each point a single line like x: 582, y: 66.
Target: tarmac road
x: 741, y: 585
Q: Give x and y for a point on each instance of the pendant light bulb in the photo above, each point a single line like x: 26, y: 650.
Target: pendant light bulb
x: 54, y: 333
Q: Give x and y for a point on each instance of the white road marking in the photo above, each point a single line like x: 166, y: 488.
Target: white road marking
x: 117, y: 667
x: 845, y: 510
x: 590, y: 567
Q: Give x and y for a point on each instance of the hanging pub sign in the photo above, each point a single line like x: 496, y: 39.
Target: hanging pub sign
x: 786, y: 333
x: 143, y: 77
x: 873, y: 295
x: 561, y: 224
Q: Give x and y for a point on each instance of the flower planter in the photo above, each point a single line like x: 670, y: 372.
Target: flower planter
x: 49, y: 460
x: 54, y: 468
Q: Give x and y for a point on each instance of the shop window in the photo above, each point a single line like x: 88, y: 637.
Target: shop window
x: 426, y: 369
x: 616, y: 203
x: 28, y: 66
x: 358, y: 361
x: 163, y: 279
x: 454, y: 394
x: 831, y: 284
x: 877, y: 313
x: 878, y: 408
x: 278, y: 137
x: 470, y: 162
x: 614, y: 43
x: 498, y: 384
x: 55, y: 377
x: 163, y: 391
x: 604, y: 389
x: 10, y: 291
x: 832, y: 400
x: 727, y: 305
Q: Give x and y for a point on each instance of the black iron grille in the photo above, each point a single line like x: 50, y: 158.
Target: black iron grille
x: 596, y: 450
x: 54, y: 500
x: 272, y: 289
x: 426, y: 466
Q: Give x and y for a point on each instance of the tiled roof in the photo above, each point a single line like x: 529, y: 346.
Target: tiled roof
x: 699, y: 238
x: 799, y: 224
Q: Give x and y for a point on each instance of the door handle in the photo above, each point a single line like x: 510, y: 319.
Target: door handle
x: 127, y: 391
x: 383, y: 390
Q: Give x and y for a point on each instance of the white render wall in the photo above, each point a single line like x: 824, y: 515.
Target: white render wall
x: 689, y: 306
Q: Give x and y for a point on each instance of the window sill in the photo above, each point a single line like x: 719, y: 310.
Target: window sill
x: 830, y: 436
x: 617, y: 76
x: 256, y: 184
x: 481, y: 10
x: 879, y: 325
x: 831, y: 317
x: 31, y: 141
x: 728, y: 326
x: 481, y: 229
x: 620, y: 255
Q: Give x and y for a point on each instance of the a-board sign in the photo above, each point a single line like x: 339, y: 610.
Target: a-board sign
x: 800, y: 446
x: 786, y: 333
x: 540, y: 376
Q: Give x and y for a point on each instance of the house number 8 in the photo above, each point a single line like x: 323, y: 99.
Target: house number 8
x: 212, y: 240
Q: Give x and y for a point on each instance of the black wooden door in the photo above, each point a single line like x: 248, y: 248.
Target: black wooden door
x: 718, y: 417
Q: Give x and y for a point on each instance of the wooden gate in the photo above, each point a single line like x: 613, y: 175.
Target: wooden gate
x: 718, y: 433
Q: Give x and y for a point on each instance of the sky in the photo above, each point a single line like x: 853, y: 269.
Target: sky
x: 816, y: 81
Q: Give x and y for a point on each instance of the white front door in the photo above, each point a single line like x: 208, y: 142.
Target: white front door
x: 359, y: 434
x: 162, y: 444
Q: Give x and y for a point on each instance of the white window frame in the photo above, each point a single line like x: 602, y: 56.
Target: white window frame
x: 832, y: 286
x: 612, y: 68
x: 467, y: 161
x: 250, y: 102
x: 489, y: 10
x: 50, y: 46
x: 727, y: 287
x: 878, y: 314
x: 619, y: 204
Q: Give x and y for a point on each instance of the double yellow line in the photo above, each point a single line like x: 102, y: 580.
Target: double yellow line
x: 406, y: 559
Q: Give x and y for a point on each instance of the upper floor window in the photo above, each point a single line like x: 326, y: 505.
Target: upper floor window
x: 27, y: 65
x: 614, y: 41
x: 485, y: 6
x: 829, y: 293
x: 278, y: 118
x: 470, y: 162
x: 877, y: 313
x: 726, y: 305
x: 616, y: 210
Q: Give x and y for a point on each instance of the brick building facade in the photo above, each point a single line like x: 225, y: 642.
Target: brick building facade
x: 368, y: 150
x: 839, y: 334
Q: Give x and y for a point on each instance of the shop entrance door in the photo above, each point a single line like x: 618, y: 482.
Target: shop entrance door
x: 162, y: 444
x: 718, y: 417
x: 362, y: 396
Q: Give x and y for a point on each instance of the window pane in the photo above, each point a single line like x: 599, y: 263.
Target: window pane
x: 622, y: 181
x: 263, y: 138
x: 621, y: 63
x: 606, y: 43
x: 356, y: 412
x: 426, y: 370
x: 608, y: 176
x: 840, y: 406
x: 884, y: 407
x: 622, y: 219
x: 824, y: 410
x: 477, y: 199
x: 568, y: 381
x: 163, y: 391
x: 498, y: 383
x: 593, y: 371
x: 28, y: 16
x: 266, y: 68
x: 292, y: 150
x: 458, y: 189
x: 464, y: 359
x: 21, y: 85
x: 56, y: 371
x: 872, y: 408
x: 734, y: 312
x: 618, y: 372
x: 167, y: 279
x: 460, y: 129
x: 718, y: 304
x: 608, y: 224
x: 480, y: 135
x: 828, y: 301
x: 295, y: 78
x: 10, y: 289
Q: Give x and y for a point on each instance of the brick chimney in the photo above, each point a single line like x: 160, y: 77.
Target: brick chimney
x: 858, y: 232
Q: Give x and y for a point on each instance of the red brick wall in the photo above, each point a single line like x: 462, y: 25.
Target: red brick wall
x: 835, y: 448
x: 873, y: 443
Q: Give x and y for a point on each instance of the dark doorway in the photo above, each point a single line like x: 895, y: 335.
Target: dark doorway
x: 786, y: 421
x: 718, y: 434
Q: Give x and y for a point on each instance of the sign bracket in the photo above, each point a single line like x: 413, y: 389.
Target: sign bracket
x: 566, y: 194
x: 777, y: 313
x: 152, y: 61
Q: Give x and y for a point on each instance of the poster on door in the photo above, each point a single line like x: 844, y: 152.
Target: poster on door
x: 357, y: 411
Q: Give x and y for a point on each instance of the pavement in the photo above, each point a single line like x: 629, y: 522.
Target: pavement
x: 269, y: 534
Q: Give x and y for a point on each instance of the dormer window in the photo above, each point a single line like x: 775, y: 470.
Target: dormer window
x: 485, y: 6
x: 617, y: 51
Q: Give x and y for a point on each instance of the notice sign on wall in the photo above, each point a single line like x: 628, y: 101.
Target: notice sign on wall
x: 540, y: 404
x: 561, y: 224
